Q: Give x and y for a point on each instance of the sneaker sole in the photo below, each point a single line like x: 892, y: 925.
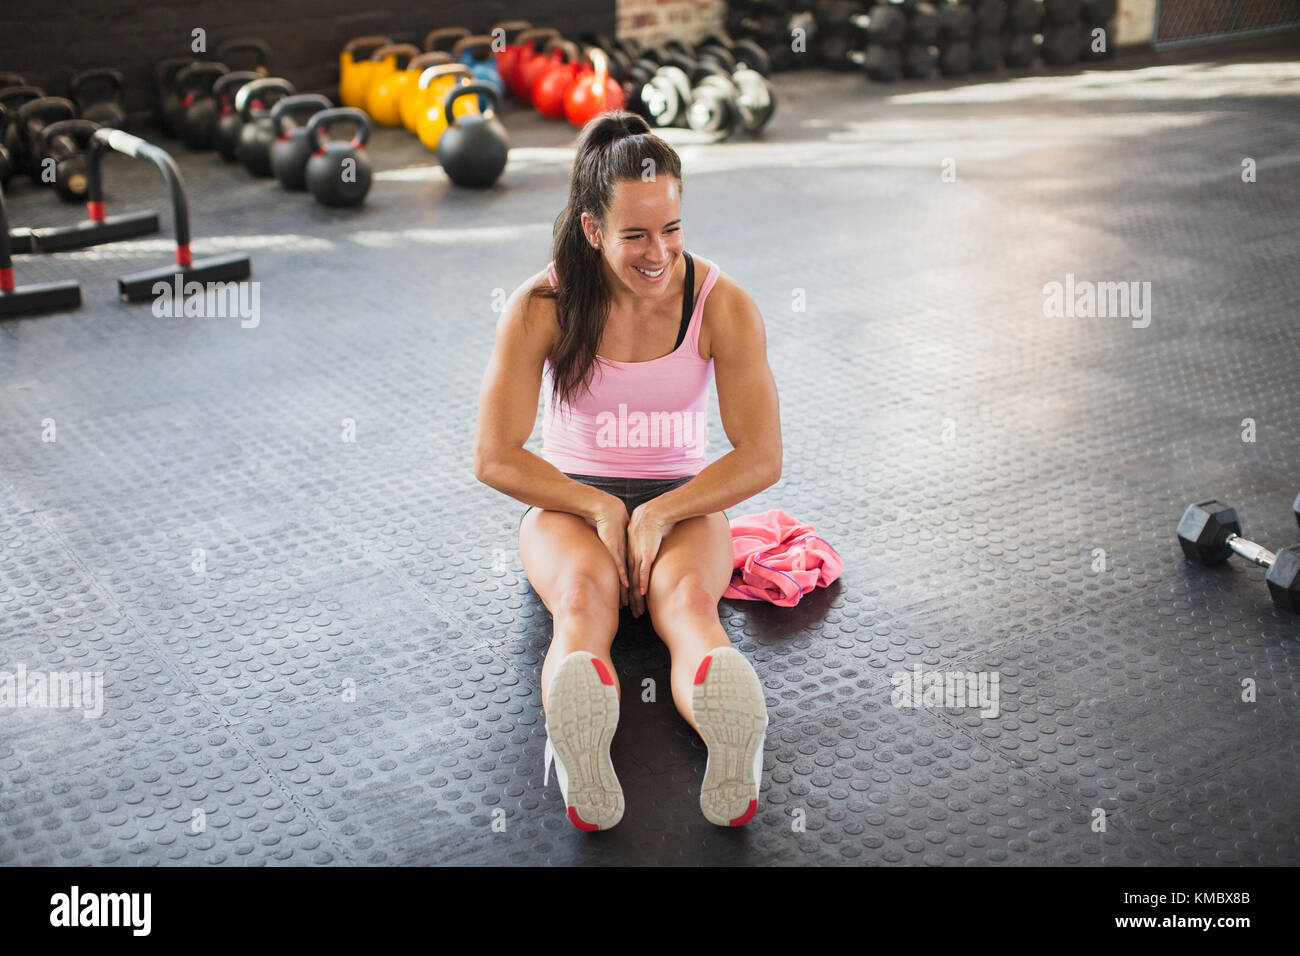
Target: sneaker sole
x: 731, y: 714
x: 581, y: 719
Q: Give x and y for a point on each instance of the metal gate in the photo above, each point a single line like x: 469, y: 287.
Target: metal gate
x: 1185, y: 22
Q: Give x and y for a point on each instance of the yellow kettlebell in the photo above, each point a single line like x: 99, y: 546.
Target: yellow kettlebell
x: 384, y: 98
x: 412, y: 95
x: 437, y: 82
x: 355, y: 67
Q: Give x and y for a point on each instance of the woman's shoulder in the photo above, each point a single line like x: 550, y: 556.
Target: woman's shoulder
x: 539, y: 281
x: 535, y: 294
x: 728, y: 309
x: 725, y: 289
x: 530, y: 313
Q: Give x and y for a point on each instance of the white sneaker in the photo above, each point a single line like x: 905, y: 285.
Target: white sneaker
x: 581, y: 717
x: 731, y: 714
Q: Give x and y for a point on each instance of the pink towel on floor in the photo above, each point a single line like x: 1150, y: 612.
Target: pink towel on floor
x: 778, y: 559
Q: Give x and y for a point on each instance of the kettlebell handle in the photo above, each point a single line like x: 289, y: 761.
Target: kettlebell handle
x: 511, y: 26
x: 45, y: 105
x: 598, y: 61
x: 23, y: 93
x: 409, y: 50
x: 295, y: 105
x: 447, y: 69
x: 442, y: 33
x: 537, y: 33
x: 184, y: 81
x: 363, y: 42
x: 567, y: 47
x: 86, y: 77
x: 80, y: 130
x: 235, y: 78
x: 164, y: 71
x: 249, y: 91
x: 327, y: 118
x: 246, y: 44
x: 475, y: 42
x: 426, y: 60
x: 483, y: 89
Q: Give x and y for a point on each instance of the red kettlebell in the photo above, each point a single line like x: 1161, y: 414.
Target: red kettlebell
x: 532, y: 68
x: 505, y: 43
x: 594, y: 92
x: 513, y: 57
x: 549, y: 90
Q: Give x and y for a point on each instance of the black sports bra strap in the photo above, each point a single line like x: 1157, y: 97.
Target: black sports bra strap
x: 688, y: 301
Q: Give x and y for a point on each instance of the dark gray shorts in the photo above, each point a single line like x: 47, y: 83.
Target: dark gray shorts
x: 633, y: 491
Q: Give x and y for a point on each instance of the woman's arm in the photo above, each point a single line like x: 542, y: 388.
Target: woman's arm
x: 507, y: 412
x: 748, y: 403
x: 746, y: 398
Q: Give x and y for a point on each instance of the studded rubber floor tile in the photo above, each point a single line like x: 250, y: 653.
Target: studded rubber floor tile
x: 317, y: 640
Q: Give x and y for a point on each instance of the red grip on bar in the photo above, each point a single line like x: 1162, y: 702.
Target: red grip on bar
x: 95, y: 210
x: 7, y: 279
x: 183, y: 256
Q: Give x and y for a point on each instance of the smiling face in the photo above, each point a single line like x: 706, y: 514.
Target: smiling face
x: 640, y: 240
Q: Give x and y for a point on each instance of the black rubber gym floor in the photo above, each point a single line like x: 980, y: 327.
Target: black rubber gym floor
x: 352, y: 675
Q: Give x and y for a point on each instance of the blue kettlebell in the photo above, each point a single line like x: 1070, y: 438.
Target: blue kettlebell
x: 476, y: 52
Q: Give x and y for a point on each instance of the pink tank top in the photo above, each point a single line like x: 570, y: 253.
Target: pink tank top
x: 640, y: 419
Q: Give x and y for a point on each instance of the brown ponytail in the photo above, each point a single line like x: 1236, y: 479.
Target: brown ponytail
x: 613, y: 147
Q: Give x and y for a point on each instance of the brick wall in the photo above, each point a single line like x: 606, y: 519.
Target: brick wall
x: 1133, y: 22
x: 654, y: 21
x: 48, y: 42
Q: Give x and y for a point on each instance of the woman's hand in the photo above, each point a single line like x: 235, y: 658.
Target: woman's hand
x: 611, y: 527
x: 645, y: 533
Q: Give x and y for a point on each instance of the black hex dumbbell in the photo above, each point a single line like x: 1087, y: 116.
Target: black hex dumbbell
x: 1062, y: 43
x: 731, y: 53
x: 1019, y: 50
x: 1210, y: 533
x: 924, y: 25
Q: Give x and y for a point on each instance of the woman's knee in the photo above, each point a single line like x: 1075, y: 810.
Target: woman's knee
x: 586, y: 594
x: 687, y: 595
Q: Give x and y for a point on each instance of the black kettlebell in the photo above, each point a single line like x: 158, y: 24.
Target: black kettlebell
x: 474, y: 147
x: 225, y: 133
x: 198, y: 108
x: 164, y: 77
x: 11, y: 136
x: 98, y: 94
x: 254, y: 102
x: 65, y: 142
x: 338, y: 172
x: 34, y: 117
x: 292, y: 146
x: 231, y: 51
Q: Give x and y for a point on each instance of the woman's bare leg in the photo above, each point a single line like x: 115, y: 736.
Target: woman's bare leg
x: 724, y: 701
x: 689, y: 575
x: 575, y: 577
